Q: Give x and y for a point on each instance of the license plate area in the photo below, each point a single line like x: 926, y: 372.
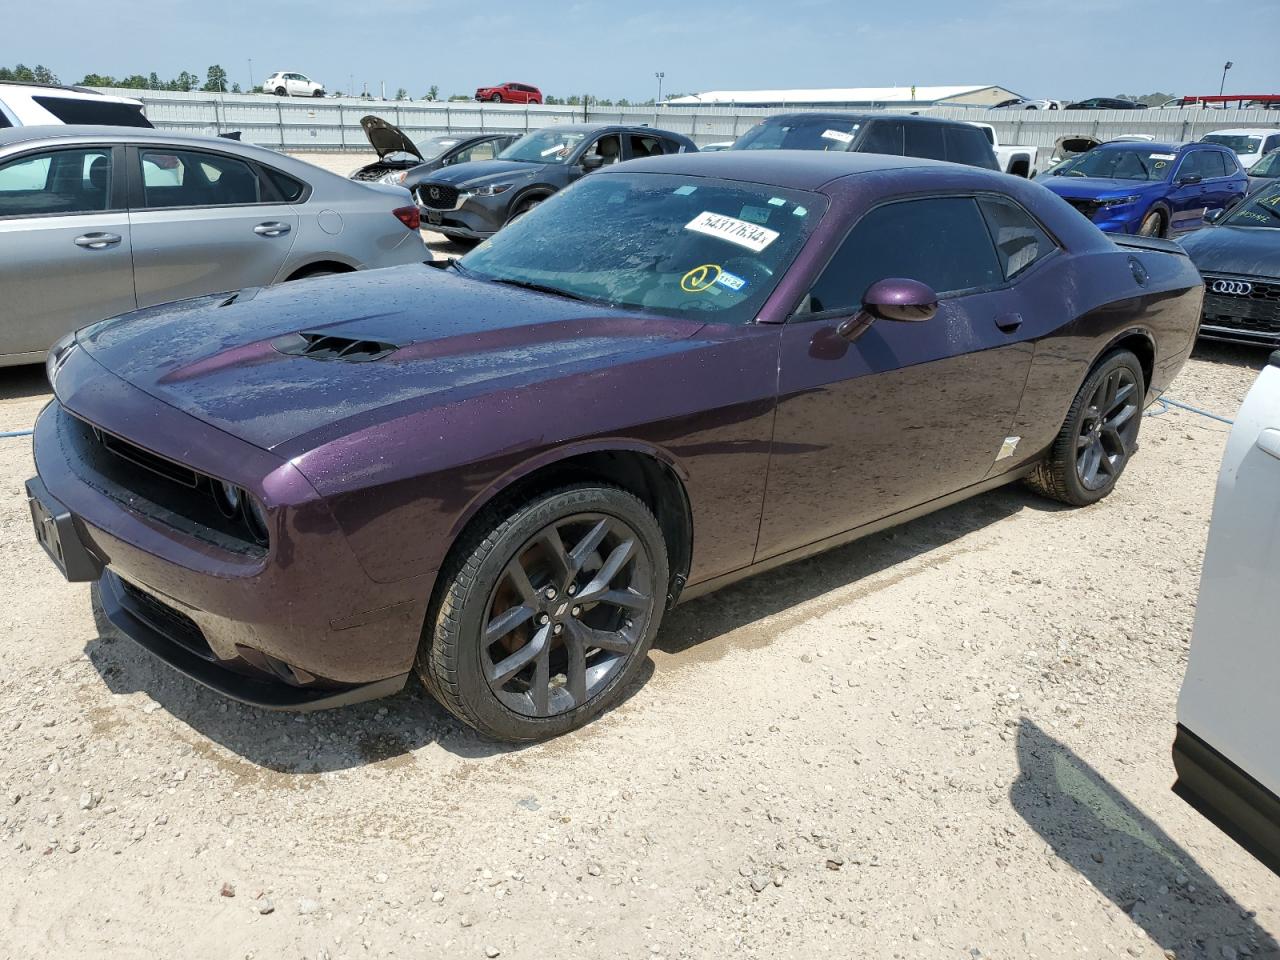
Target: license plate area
x: 434, y: 217
x: 55, y: 530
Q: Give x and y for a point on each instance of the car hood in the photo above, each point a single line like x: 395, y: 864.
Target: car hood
x: 1242, y: 251
x: 220, y: 358
x: 477, y: 171
x: 1099, y: 188
x: 387, y: 137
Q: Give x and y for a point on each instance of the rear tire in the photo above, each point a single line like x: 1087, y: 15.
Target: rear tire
x: 281, y: 92
x: 1099, y: 436
x: 529, y: 640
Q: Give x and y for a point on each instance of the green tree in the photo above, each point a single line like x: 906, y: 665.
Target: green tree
x: 185, y: 82
x: 433, y: 92
x: 457, y: 97
x: 153, y: 81
x: 235, y: 88
x: 402, y: 94
x: 134, y: 82
x: 24, y: 74
x: 99, y: 80
x: 216, y: 80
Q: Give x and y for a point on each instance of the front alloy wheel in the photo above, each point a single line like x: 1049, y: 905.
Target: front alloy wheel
x: 544, y: 616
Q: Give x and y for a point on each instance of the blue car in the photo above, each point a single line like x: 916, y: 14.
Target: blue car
x: 1150, y: 189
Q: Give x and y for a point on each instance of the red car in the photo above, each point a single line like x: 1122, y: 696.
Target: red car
x: 510, y: 93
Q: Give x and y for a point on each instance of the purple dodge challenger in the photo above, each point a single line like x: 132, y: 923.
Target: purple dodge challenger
x: 501, y: 472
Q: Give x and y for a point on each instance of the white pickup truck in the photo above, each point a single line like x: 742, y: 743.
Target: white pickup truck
x: 1020, y: 161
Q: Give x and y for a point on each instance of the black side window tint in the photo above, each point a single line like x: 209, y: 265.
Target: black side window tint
x: 93, y: 111
x: 882, y: 136
x: 967, y: 145
x: 62, y: 181
x: 287, y: 187
x: 942, y: 241
x: 924, y: 140
x: 4, y: 121
x: 1195, y: 164
x: 178, y: 178
x: 1019, y: 240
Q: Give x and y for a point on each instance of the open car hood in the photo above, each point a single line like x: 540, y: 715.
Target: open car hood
x: 1074, y: 144
x: 387, y: 137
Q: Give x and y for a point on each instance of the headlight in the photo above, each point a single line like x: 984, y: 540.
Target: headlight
x: 237, y: 503
x: 228, y: 497
x: 1118, y: 201
x: 255, y: 515
x: 491, y: 189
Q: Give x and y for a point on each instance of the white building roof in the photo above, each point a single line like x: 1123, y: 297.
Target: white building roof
x: 832, y: 95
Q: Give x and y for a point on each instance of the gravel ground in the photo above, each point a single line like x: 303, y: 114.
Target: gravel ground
x: 946, y: 741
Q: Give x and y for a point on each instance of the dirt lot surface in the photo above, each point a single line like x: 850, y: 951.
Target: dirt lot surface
x: 946, y: 741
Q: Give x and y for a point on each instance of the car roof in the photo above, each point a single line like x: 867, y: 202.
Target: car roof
x: 1245, y: 132
x: 101, y: 133
x: 860, y: 116
x: 1149, y: 145
x: 796, y: 169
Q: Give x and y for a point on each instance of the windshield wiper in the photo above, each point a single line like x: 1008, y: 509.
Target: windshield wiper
x: 542, y: 288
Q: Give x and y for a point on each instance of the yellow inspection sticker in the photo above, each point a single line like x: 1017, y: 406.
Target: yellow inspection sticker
x: 700, y: 278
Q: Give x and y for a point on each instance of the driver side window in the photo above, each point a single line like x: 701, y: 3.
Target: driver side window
x: 607, y: 148
x: 941, y: 241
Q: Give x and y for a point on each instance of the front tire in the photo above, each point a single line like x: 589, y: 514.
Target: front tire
x: 496, y: 98
x: 547, y: 613
x: 523, y: 207
x: 1152, y: 225
x: 1099, y: 436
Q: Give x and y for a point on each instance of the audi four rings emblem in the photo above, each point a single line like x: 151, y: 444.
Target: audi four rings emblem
x: 1237, y: 288
x: 434, y: 193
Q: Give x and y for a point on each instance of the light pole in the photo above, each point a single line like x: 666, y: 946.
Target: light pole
x: 251, y: 74
x: 659, y: 76
x: 1225, y: 67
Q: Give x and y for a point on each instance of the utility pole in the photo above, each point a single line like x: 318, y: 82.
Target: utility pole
x: 659, y: 75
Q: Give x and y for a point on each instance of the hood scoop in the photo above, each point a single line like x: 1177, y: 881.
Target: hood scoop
x: 324, y: 346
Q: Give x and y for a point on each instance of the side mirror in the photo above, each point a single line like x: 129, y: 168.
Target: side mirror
x: 1213, y: 216
x: 592, y: 161
x: 1188, y: 180
x: 906, y: 301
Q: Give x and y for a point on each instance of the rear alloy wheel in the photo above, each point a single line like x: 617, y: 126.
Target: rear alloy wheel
x: 281, y: 92
x: 1100, y: 434
x: 549, y: 615
x: 1152, y: 225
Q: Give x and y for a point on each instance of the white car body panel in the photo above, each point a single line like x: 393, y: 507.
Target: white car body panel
x: 19, y: 107
x: 1267, y: 141
x: 1230, y: 699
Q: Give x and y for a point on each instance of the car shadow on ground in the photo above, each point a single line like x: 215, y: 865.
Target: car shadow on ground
x: 1231, y: 354
x: 389, y: 729
x: 24, y: 382
x: 1093, y: 828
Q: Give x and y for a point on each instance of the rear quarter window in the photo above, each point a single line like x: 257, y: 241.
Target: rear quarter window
x: 969, y: 146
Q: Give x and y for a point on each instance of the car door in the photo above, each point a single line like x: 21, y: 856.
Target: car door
x: 203, y: 222
x: 298, y: 86
x: 64, y: 244
x: 1226, y: 751
x: 906, y: 412
x: 1188, y: 198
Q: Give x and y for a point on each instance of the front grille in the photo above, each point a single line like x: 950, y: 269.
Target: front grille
x: 1257, y: 311
x: 1087, y: 207
x: 438, y: 196
x: 147, y: 460
x: 173, y: 624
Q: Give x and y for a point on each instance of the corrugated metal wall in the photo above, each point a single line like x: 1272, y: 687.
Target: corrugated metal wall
x: 298, y: 124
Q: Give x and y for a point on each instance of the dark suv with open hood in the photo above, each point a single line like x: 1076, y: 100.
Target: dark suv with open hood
x: 472, y: 201
x: 406, y: 163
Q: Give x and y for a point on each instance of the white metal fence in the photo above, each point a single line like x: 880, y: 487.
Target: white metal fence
x: 333, y: 124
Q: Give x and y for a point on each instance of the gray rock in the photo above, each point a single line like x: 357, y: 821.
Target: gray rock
x: 594, y: 869
x: 265, y: 906
x: 437, y: 897
x: 491, y: 952
x: 307, y: 907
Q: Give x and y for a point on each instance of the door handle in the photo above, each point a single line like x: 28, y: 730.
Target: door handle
x: 97, y: 241
x: 271, y: 229
x: 1009, y: 322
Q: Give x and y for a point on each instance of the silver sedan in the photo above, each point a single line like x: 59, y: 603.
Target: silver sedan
x: 97, y: 221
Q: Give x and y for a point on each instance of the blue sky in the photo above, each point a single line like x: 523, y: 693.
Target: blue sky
x: 1040, y: 49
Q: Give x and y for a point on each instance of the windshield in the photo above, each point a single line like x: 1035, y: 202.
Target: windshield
x: 800, y: 133
x: 1124, y: 164
x: 434, y: 147
x: 544, y: 146
x: 1237, y: 142
x: 1260, y: 210
x: 672, y: 245
x: 1268, y: 166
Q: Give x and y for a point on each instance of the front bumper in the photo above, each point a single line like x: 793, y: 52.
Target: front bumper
x: 297, y: 626
x: 475, y: 218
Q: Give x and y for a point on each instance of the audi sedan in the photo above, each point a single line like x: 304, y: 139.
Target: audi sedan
x: 501, y: 472
x: 95, y: 221
x: 1239, y: 257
